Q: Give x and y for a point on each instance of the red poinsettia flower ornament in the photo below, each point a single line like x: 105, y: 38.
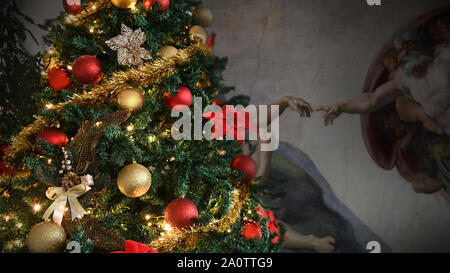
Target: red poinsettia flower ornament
x: 232, y: 122
x: 272, y: 224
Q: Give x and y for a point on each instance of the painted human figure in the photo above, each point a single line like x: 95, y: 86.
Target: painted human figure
x: 263, y: 159
x: 424, y: 79
x: 421, y: 92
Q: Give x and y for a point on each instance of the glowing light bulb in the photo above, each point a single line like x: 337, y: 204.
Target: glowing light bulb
x: 70, y: 18
x: 147, y: 217
x: 49, y: 161
x: 152, y: 138
x: 49, y: 106
x: 69, y: 67
x: 130, y: 128
x: 167, y: 227
x: 37, y: 207
x: 7, y: 218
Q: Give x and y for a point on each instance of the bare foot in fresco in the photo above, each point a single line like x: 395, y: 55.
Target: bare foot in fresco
x: 293, y: 239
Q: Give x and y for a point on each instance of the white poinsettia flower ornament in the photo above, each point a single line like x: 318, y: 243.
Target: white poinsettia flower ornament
x: 128, y: 47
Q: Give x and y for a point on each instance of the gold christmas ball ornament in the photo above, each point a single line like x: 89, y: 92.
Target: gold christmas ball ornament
x: 124, y: 4
x: 130, y: 99
x: 199, y: 34
x: 204, y: 15
x: 167, y: 52
x: 46, y: 237
x: 134, y: 180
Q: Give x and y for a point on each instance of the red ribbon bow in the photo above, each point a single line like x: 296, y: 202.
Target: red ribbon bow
x: 135, y: 247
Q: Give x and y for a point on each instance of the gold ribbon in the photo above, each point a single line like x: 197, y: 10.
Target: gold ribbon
x: 60, y: 198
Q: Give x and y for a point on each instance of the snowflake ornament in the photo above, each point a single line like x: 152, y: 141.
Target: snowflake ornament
x: 128, y: 47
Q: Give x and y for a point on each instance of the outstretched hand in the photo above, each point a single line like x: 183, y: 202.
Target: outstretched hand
x: 331, y: 112
x: 299, y: 105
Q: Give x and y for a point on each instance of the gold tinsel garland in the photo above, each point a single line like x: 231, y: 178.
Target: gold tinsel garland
x: 150, y: 73
x: 23, y: 141
x: 187, y: 239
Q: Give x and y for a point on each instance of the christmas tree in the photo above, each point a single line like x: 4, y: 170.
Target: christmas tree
x: 99, y: 166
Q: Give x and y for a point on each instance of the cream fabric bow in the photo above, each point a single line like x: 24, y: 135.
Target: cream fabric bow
x: 60, y: 198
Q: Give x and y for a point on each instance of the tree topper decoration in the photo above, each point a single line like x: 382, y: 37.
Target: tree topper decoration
x: 128, y: 47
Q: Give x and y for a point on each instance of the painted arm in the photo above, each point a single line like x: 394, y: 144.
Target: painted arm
x: 364, y: 103
x: 263, y: 158
x: 297, y: 104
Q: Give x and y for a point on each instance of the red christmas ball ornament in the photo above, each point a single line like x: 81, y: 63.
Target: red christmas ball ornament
x: 251, y: 231
x: 87, y: 69
x: 3, y: 168
x: 181, y: 213
x: 72, y: 6
x: 164, y: 3
x: 53, y: 136
x: 179, y: 101
x: 58, y: 79
x: 245, y: 164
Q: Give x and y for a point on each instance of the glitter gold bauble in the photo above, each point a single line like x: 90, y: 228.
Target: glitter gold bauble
x: 199, y: 34
x: 204, y: 15
x: 124, y: 4
x: 130, y: 99
x: 166, y: 52
x: 46, y: 237
x: 134, y: 180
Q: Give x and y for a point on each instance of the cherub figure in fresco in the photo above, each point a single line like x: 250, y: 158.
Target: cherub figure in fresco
x: 293, y: 239
x: 419, y: 84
